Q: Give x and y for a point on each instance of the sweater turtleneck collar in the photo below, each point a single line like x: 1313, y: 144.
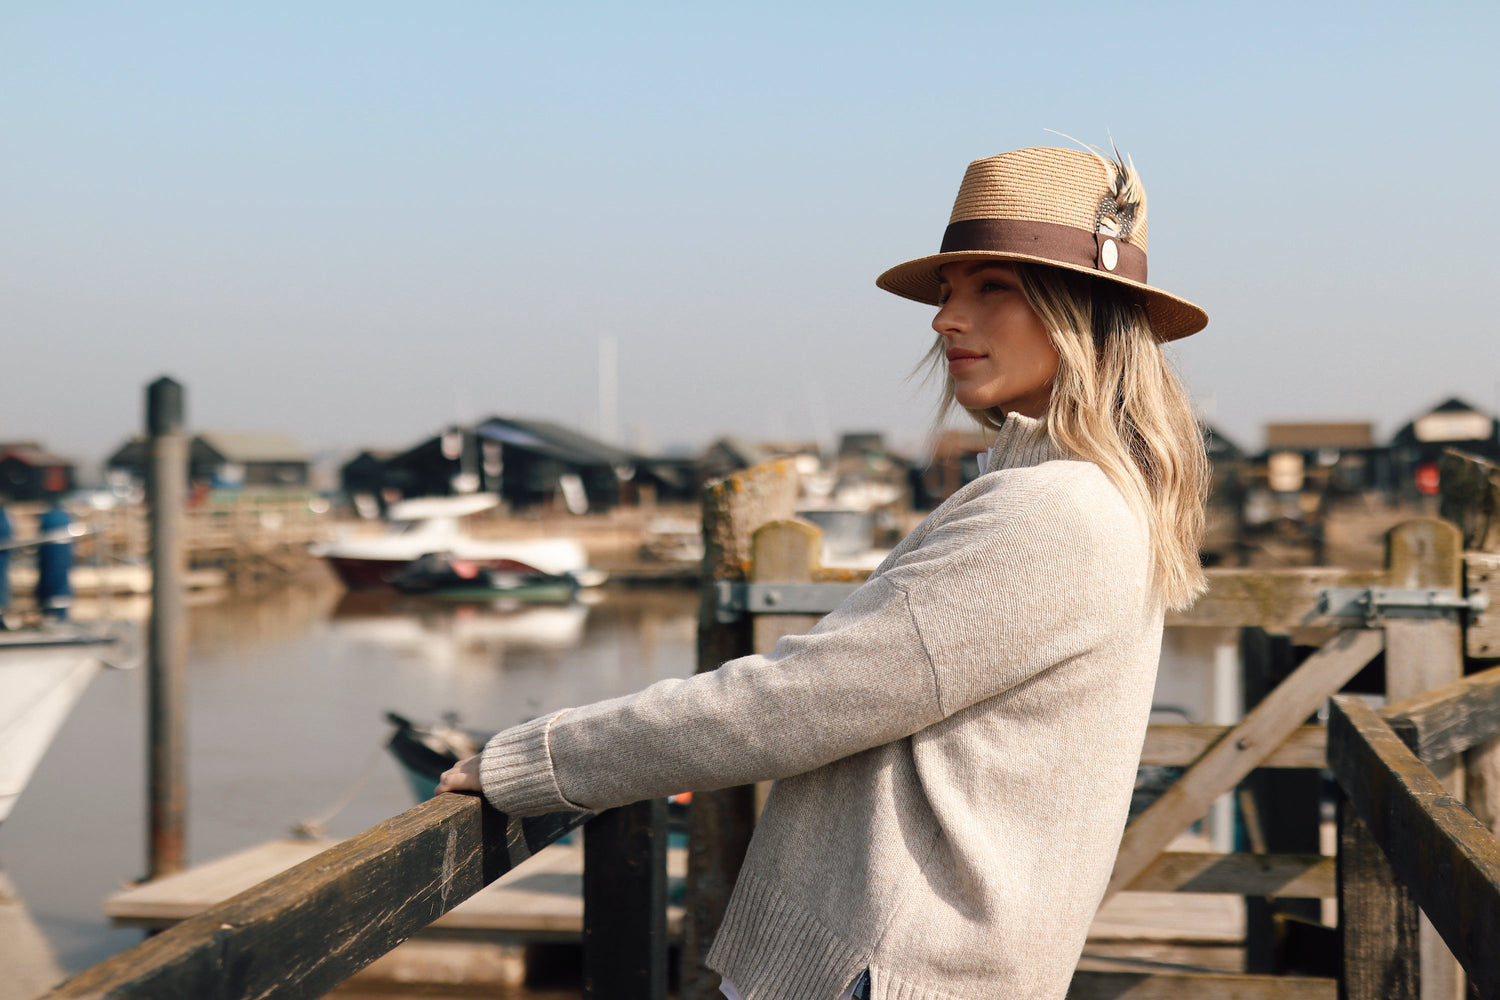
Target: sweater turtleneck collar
x: 1022, y: 441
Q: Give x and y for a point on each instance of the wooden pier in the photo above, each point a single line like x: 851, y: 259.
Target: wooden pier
x: 539, y: 901
x: 1415, y: 884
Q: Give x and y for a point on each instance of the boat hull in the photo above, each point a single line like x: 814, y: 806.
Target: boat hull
x: 357, y: 573
x: 42, y: 676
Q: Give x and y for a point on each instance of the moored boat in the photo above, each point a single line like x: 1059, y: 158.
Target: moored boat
x: 43, y: 673
x: 443, y: 576
x: 426, y: 525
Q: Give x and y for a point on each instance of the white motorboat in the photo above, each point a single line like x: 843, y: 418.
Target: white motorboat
x: 43, y: 673
x: 426, y: 525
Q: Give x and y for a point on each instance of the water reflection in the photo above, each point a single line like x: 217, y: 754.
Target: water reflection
x: 287, y: 697
x: 452, y: 637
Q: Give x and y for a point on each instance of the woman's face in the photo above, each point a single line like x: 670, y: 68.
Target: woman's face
x: 998, y: 351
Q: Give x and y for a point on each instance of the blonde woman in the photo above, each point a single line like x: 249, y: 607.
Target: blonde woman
x: 954, y: 747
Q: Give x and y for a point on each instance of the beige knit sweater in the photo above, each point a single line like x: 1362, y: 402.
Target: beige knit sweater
x: 954, y: 748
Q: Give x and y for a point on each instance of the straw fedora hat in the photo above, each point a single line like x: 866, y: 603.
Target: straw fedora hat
x: 1067, y: 208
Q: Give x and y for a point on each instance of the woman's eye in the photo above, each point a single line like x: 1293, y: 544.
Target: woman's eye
x: 993, y: 286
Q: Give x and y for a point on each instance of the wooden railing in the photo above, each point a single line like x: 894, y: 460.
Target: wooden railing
x: 1407, y: 844
x: 299, y: 934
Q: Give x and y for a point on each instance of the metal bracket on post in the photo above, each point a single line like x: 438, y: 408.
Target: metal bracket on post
x: 736, y: 599
x: 1375, y: 604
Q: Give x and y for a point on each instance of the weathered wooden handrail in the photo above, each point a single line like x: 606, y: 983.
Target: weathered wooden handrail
x: 1443, y: 858
x: 300, y: 933
x: 1451, y: 719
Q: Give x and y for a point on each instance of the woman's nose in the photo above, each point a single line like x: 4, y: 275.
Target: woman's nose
x: 949, y: 319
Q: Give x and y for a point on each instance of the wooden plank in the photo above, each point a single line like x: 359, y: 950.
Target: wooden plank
x: 1448, y: 860
x: 1242, y: 749
x: 1276, y: 600
x: 330, y: 916
x: 722, y: 820
x: 1482, y: 576
x: 1171, y: 744
x: 1170, y: 918
x: 1133, y: 956
x: 1450, y: 719
x: 1287, y: 876
x: 1422, y: 654
x: 625, y: 903
x: 1380, y: 941
x: 1470, y: 498
x: 1200, y: 986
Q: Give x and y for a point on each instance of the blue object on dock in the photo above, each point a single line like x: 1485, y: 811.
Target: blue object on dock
x: 54, y: 561
x: 6, y: 534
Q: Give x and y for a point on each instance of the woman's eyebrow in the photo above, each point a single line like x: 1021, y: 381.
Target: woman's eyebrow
x: 985, y: 265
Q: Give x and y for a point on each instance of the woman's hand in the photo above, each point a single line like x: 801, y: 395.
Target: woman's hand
x: 461, y: 777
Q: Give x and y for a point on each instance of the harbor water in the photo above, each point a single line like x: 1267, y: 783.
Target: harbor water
x: 287, y: 699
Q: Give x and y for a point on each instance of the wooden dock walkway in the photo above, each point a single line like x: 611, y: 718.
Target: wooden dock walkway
x: 539, y: 901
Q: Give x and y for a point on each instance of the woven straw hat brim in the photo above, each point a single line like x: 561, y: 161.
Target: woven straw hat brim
x: 1171, y: 317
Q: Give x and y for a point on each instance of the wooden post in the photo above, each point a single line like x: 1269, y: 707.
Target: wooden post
x: 1378, y: 919
x: 1422, y: 654
x: 167, y: 634
x: 783, y: 552
x: 1471, y: 499
x: 625, y: 903
x: 722, y: 821
x: 1285, y: 815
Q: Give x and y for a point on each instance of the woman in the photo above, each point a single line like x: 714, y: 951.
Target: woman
x: 954, y: 747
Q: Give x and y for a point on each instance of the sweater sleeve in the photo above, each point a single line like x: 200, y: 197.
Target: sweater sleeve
x: 975, y: 608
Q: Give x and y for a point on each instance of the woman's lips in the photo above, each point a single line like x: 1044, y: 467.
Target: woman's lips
x: 959, y: 359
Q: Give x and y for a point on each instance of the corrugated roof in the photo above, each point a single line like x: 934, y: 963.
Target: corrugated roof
x: 554, y: 440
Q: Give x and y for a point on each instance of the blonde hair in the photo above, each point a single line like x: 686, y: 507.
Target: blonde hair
x: 1117, y: 403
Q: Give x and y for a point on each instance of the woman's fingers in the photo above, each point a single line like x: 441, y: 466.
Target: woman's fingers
x: 461, y: 777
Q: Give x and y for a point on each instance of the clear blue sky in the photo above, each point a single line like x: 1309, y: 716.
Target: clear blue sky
x: 354, y: 222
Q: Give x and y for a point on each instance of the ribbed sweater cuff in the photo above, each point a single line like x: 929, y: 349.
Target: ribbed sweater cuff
x: 516, y: 773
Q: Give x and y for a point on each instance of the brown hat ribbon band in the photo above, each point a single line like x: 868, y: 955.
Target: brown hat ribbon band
x: 1048, y: 240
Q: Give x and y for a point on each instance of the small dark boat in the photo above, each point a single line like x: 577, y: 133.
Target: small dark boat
x: 425, y: 752
x: 444, y: 576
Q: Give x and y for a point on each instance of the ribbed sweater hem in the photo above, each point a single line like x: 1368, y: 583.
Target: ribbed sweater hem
x: 772, y: 949
x: 516, y: 770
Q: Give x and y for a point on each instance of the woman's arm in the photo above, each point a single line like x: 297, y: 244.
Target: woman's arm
x: 1022, y: 579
